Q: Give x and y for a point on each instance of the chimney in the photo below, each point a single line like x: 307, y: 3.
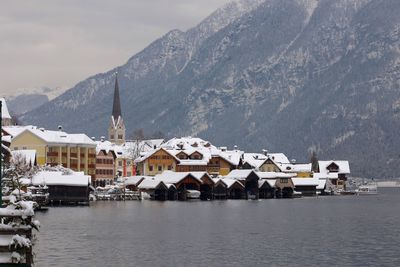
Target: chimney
x: 60, y: 128
x: 265, y: 152
x: 102, y: 139
x: 293, y: 161
x: 235, y: 147
x: 93, y: 138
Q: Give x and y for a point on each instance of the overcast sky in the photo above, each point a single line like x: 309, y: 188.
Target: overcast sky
x: 57, y: 43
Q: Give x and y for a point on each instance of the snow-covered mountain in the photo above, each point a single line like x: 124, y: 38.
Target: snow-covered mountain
x: 284, y: 75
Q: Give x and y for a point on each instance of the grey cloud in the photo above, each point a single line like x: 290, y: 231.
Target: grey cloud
x: 57, y: 43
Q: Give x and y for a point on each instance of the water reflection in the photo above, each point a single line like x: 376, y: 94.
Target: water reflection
x: 324, y: 231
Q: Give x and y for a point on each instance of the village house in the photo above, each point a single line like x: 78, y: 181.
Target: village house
x: 336, y: 171
x: 189, y: 154
x: 74, y: 151
x: 105, y: 164
x: 129, y: 151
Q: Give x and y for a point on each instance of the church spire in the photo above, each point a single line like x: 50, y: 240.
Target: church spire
x: 116, y: 129
x: 116, y: 112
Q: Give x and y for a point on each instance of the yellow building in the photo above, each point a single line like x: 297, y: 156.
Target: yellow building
x: 189, y: 154
x: 156, y: 162
x: 74, y: 151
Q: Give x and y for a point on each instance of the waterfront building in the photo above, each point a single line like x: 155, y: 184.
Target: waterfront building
x: 226, y: 188
x: 64, y: 188
x: 249, y: 179
x: 334, y: 170
x: 306, y: 186
x: 73, y: 151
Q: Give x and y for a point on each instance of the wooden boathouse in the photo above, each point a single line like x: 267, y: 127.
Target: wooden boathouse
x: 64, y: 188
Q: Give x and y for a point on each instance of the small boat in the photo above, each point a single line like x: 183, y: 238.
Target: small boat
x: 367, y: 189
x: 192, y: 194
x: 297, y: 194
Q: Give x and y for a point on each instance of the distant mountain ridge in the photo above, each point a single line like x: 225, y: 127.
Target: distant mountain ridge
x: 284, y: 75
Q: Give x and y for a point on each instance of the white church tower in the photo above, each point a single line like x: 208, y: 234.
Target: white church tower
x: 116, y: 129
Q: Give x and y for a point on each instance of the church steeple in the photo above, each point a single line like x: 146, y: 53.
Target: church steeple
x: 116, y: 129
x: 116, y: 112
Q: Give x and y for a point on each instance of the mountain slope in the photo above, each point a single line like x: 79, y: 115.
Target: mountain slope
x: 284, y: 75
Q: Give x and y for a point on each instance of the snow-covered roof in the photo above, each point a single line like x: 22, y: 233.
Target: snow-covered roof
x: 254, y: 159
x: 134, y: 180
x: 305, y: 181
x: 227, y: 181
x: 58, y: 178
x: 4, y: 110
x: 150, y: 183
x: 238, y: 174
x: 344, y: 167
x: 150, y: 153
x: 199, y: 175
x: 16, y: 130
x: 59, y: 137
x: 278, y: 158
x: 106, y: 146
x: 271, y: 182
x: 28, y: 155
x: 289, y: 167
x: 171, y: 177
x: 274, y: 175
x: 232, y: 156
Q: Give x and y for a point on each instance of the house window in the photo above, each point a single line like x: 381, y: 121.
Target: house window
x: 112, y: 136
x: 159, y: 168
x: 120, y: 136
x: 120, y: 163
x: 129, y: 174
x: 284, y: 181
x: 169, y: 167
x: 151, y: 168
x: 128, y: 162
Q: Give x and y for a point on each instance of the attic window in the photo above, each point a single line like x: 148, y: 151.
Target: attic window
x: 207, y: 145
x: 288, y: 168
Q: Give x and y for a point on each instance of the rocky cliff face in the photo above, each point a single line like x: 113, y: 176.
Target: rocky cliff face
x: 284, y: 75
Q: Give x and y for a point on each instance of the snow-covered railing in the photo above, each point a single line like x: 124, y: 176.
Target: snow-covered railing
x: 16, y: 234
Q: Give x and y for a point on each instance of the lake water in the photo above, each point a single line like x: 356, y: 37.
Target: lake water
x: 323, y: 231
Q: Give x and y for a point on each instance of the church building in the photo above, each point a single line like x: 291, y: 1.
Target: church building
x: 116, y: 129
